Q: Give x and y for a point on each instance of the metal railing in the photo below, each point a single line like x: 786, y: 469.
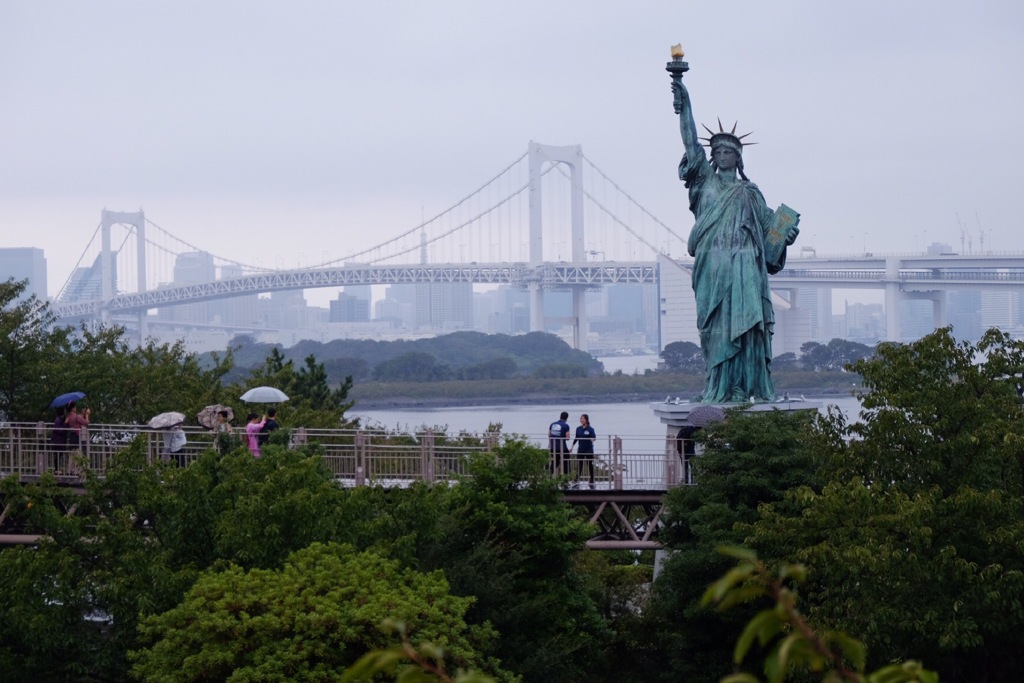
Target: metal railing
x: 354, y: 457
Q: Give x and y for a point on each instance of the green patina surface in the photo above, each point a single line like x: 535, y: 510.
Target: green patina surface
x: 736, y: 241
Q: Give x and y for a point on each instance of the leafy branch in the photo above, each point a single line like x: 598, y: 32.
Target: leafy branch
x: 791, y: 641
x: 407, y: 663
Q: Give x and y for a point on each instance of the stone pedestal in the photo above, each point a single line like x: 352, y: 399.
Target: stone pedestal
x: 679, y: 444
x: 675, y: 414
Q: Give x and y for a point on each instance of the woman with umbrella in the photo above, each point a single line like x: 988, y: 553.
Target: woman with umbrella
x: 252, y: 431
x: 75, y: 421
x: 224, y: 431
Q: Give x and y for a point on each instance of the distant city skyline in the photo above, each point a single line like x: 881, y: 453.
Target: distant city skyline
x: 621, y: 317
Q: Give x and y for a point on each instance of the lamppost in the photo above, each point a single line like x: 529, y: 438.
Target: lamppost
x: 595, y: 252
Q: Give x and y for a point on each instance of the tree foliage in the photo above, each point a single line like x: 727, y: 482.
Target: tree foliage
x: 463, y: 354
x: 749, y: 459
x: 124, y: 384
x: 510, y: 541
x: 26, y: 351
x: 683, y: 356
x: 915, y: 542
x: 414, y: 366
x: 311, y: 400
x: 306, y: 621
x: 834, y: 356
x: 790, y: 643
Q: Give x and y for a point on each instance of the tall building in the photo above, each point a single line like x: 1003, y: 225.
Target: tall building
x: 677, y: 307
x: 241, y: 311
x: 917, y: 319
x: 86, y: 284
x: 865, y: 323
x: 25, y: 263
x: 192, y: 268
x: 1000, y: 309
x: 963, y: 312
x: 349, y: 309
x: 444, y: 305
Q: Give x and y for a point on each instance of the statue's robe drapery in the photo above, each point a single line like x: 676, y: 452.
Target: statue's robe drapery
x: 730, y: 281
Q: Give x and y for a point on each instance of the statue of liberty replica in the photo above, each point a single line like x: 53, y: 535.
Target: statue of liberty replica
x: 736, y: 242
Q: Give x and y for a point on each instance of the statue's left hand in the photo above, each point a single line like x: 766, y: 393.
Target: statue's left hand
x: 792, y: 236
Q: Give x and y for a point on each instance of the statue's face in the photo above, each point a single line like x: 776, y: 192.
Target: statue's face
x: 725, y: 158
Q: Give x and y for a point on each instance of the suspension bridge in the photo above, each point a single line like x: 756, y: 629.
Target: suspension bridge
x: 551, y: 220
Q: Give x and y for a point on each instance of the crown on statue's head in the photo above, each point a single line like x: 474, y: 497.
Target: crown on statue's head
x: 728, y: 139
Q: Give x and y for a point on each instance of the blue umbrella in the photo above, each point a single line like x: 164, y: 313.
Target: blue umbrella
x: 65, y: 399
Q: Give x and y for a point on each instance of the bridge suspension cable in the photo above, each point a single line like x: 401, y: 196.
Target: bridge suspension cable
x: 78, y: 264
x: 465, y: 223
x: 630, y: 198
x: 615, y: 218
x: 193, y: 247
x: 407, y: 233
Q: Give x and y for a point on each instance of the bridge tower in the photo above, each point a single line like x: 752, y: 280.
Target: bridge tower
x: 136, y: 219
x: 572, y: 156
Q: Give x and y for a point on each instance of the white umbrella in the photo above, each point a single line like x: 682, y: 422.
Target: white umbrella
x: 264, y: 395
x: 165, y: 420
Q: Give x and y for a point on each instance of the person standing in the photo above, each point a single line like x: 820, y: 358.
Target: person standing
x: 223, y: 431
x: 558, y: 442
x: 252, y: 432
x: 269, y: 426
x: 174, y: 442
x: 59, y: 439
x: 75, y: 421
x: 585, y: 436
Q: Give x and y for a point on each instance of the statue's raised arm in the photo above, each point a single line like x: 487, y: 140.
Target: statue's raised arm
x: 687, y: 126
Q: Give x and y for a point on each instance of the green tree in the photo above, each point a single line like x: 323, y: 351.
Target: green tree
x: 311, y: 400
x: 498, y: 368
x: 749, y: 459
x: 124, y: 384
x: 834, y: 356
x: 790, y: 642
x: 785, y: 361
x: 510, y: 541
x: 29, y: 354
x: 414, y: 366
x: 683, y: 357
x: 306, y: 621
x: 136, y: 540
x: 915, y: 541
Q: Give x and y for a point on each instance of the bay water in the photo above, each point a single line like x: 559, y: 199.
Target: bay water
x: 629, y: 420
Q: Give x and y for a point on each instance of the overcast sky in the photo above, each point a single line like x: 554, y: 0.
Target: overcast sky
x: 256, y: 128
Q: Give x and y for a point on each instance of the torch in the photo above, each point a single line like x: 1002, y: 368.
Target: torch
x: 677, y: 67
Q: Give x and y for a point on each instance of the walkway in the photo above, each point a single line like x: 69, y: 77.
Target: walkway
x: 625, y: 502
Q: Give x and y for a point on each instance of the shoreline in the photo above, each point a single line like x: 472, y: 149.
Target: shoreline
x: 527, y: 399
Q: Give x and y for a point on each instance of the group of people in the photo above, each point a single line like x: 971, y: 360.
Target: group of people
x: 257, y: 430
x: 560, y: 448
x: 68, y: 423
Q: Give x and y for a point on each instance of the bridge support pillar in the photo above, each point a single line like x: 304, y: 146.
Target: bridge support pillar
x: 893, y: 296
x: 136, y: 219
x: 580, y: 321
x: 536, y: 307
x: 571, y: 156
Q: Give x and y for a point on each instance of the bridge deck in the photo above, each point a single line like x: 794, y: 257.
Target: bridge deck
x: 355, y: 457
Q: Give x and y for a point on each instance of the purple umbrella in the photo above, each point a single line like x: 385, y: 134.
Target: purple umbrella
x: 67, y: 398
x: 703, y: 415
